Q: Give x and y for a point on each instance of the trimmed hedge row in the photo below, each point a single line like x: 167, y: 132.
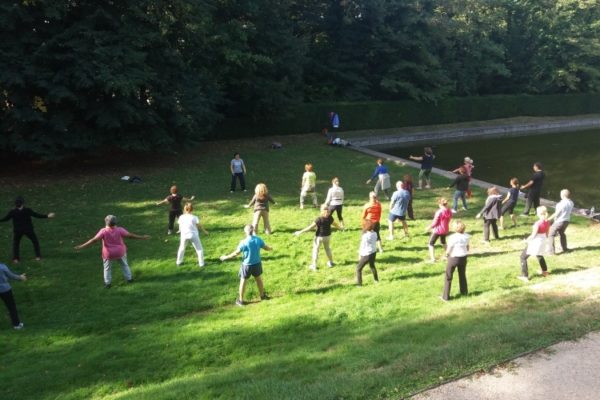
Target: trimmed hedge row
x: 307, y: 118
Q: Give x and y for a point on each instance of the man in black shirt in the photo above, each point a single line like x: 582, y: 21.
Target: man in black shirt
x: 535, y: 188
x: 23, y: 226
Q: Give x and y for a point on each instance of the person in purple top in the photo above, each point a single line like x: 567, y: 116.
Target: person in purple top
x: 23, y: 226
x: 7, y: 295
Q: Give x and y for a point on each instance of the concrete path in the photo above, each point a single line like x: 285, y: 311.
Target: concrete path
x: 568, y: 370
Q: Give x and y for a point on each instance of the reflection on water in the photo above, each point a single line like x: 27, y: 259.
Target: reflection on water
x: 571, y: 160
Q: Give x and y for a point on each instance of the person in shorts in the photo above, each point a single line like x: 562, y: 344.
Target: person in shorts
x: 398, y: 209
x: 251, y: 262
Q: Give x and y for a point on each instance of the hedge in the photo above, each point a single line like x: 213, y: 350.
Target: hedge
x: 309, y: 118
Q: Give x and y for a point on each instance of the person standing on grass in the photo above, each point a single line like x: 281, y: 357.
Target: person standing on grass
x: 23, y: 226
x: 440, y: 226
x: 372, y: 212
x: 426, y: 167
x: 536, y: 244
x: 462, y: 185
x: 535, y: 188
x: 251, y: 263
x: 469, y: 167
x: 561, y: 218
x: 308, y: 185
x: 457, y: 252
x: 322, y: 236
x: 335, y: 200
x: 398, y: 208
x: 238, y: 170
x: 113, y: 248
x: 260, y: 201
x: 509, y: 203
x: 188, y: 227
x: 410, y: 187
x: 491, y: 211
x: 383, y: 179
x: 7, y: 295
x: 174, y: 199
x: 367, y: 251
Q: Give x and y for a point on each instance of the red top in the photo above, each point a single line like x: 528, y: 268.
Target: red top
x: 542, y: 226
x: 372, y: 211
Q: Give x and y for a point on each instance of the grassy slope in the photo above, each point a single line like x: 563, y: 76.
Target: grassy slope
x: 175, y: 333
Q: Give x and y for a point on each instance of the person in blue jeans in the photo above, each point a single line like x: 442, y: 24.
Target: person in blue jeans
x: 7, y: 296
x: 238, y: 170
x: 462, y: 185
x: 251, y: 262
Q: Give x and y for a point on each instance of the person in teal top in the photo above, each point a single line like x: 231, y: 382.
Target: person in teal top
x: 251, y: 262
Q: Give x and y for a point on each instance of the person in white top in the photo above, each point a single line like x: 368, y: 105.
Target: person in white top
x: 188, y: 227
x: 367, y: 251
x: 561, y: 218
x: 457, y: 251
x: 335, y: 200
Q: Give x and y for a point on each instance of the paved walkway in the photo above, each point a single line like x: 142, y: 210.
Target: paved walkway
x: 568, y: 370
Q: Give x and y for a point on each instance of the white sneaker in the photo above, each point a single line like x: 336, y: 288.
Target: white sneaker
x: 20, y: 326
x: 454, y: 211
x: 330, y: 264
x: 312, y: 267
x: 523, y: 278
x: 390, y: 237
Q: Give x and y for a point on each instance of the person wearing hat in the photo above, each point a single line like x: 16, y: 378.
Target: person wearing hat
x: 23, y: 226
x: 113, y: 248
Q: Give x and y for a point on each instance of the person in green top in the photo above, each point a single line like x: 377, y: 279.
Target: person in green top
x: 309, y: 184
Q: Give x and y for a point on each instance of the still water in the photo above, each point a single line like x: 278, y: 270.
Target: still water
x: 571, y: 160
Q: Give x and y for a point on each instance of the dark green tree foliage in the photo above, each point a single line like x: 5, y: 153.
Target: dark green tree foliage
x: 146, y: 74
x: 86, y: 74
x: 260, y: 58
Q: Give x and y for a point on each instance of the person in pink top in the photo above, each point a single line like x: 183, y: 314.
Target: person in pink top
x: 440, y: 226
x: 113, y: 248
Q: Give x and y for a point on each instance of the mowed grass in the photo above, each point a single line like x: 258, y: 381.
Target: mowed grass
x: 175, y: 333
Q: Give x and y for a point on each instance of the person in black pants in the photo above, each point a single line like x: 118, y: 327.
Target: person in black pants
x: 491, y: 212
x: 7, y: 295
x: 457, y: 251
x: 23, y: 226
x: 174, y: 199
x: 535, y: 188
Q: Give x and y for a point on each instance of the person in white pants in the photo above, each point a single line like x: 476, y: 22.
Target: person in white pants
x: 188, y: 227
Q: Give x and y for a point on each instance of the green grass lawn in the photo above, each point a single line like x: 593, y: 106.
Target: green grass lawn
x: 176, y: 333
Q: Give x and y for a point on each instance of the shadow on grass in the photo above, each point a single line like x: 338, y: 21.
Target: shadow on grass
x: 320, y: 290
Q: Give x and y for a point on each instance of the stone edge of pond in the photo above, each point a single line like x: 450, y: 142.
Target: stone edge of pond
x: 451, y: 175
x: 459, y: 134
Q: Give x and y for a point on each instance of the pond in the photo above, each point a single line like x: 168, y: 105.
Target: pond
x: 571, y: 160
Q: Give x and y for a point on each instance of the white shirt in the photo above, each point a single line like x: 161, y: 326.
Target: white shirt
x: 335, y: 196
x: 563, y: 210
x: 188, y: 226
x: 368, y: 243
x: 458, y: 243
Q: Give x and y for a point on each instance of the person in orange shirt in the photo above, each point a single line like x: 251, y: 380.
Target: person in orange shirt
x: 372, y: 212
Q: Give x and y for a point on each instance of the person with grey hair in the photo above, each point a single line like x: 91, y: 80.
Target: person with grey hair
x: 113, y: 248
x: 398, y: 209
x: 249, y: 247
x: 561, y: 218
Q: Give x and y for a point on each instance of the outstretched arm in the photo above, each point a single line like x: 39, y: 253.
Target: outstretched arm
x: 267, y: 248
x: 7, y: 216
x: 160, y: 203
x: 308, y: 228
x: 134, y: 236
x: 230, y: 255
x: 86, y: 244
x: 188, y: 199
